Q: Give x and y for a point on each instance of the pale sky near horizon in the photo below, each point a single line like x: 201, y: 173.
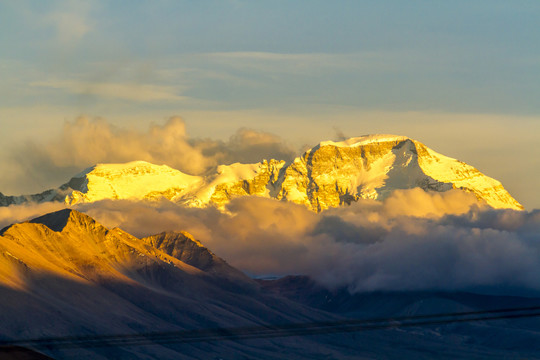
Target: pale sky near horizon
x: 463, y: 77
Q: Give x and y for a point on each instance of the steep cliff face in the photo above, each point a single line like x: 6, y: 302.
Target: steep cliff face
x: 332, y: 174
x: 329, y: 175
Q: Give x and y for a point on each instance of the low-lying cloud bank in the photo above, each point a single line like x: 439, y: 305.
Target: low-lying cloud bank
x: 18, y: 213
x: 451, y: 242
x: 85, y: 142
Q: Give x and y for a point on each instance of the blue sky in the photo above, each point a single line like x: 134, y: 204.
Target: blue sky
x: 461, y: 76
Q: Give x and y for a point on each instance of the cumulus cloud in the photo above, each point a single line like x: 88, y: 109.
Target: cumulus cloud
x: 245, y: 146
x: 369, y: 246
x: 18, y: 213
x: 85, y: 142
x: 257, y: 235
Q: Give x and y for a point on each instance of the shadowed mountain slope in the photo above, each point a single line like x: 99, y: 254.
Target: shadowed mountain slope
x: 64, y: 274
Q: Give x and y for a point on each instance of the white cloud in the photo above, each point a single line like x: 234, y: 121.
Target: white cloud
x: 364, y: 247
x: 70, y: 26
x: 18, y: 213
x: 85, y: 142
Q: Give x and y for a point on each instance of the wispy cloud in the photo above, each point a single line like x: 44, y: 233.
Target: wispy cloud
x: 300, y: 63
x: 125, y: 91
x: 70, y: 26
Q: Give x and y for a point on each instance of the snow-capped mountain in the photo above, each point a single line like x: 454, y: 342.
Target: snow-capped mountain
x: 371, y: 167
x: 329, y: 175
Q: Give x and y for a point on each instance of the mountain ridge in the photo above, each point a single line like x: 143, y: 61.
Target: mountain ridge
x: 328, y: 175
x: 64, y: 273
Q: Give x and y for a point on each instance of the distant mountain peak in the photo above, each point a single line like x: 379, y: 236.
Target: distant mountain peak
x: 373, y: 166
